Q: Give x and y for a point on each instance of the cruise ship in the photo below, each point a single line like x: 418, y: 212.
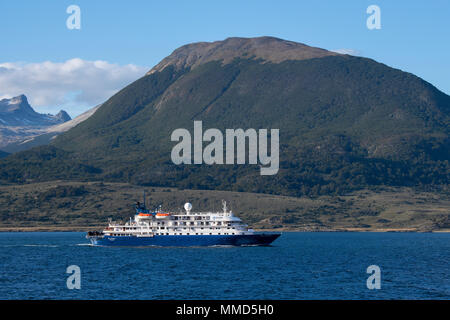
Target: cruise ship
x: 181, y: 229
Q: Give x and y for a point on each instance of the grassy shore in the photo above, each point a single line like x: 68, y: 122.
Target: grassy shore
x: 80, y: 206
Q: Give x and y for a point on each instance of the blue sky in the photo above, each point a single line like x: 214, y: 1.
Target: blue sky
x: 120, y: 40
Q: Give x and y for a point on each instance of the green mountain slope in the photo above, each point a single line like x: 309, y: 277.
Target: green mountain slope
x: 345, y: 123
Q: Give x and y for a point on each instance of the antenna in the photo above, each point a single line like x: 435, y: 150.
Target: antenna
x: 224, y: 204
x: 145, y: 207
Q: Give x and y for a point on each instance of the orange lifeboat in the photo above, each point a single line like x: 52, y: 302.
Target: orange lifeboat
x: 160, y: 215
x: 144, y: 214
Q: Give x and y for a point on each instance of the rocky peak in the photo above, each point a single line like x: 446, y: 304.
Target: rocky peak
x: 63, y: 116
x: 19, y: 103
x: 268, y: 49
x: 17, y: 112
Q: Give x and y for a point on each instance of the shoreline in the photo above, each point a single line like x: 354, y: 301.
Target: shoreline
x: 79, y: 206
x: 90, y: 228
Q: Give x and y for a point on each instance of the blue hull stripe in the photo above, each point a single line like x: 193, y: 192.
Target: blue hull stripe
x: 185, y: 240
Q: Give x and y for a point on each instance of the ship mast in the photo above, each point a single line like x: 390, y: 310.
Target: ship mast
x: 145, y: 207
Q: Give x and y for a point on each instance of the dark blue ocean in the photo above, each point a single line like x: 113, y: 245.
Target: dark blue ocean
x: 296, y: 266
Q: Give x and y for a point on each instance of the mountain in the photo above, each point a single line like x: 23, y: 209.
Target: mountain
x: 49, y: 133
x: 16, y: 112
x: 345, y: 123
x: 18, y: 120
x: 266, y: 48
x: 62, y: 116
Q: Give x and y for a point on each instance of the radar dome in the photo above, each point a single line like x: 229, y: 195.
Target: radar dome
x: 187, y: 206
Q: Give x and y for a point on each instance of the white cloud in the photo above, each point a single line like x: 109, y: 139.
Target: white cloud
x: 73, y: 85
x: 351, y: 52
